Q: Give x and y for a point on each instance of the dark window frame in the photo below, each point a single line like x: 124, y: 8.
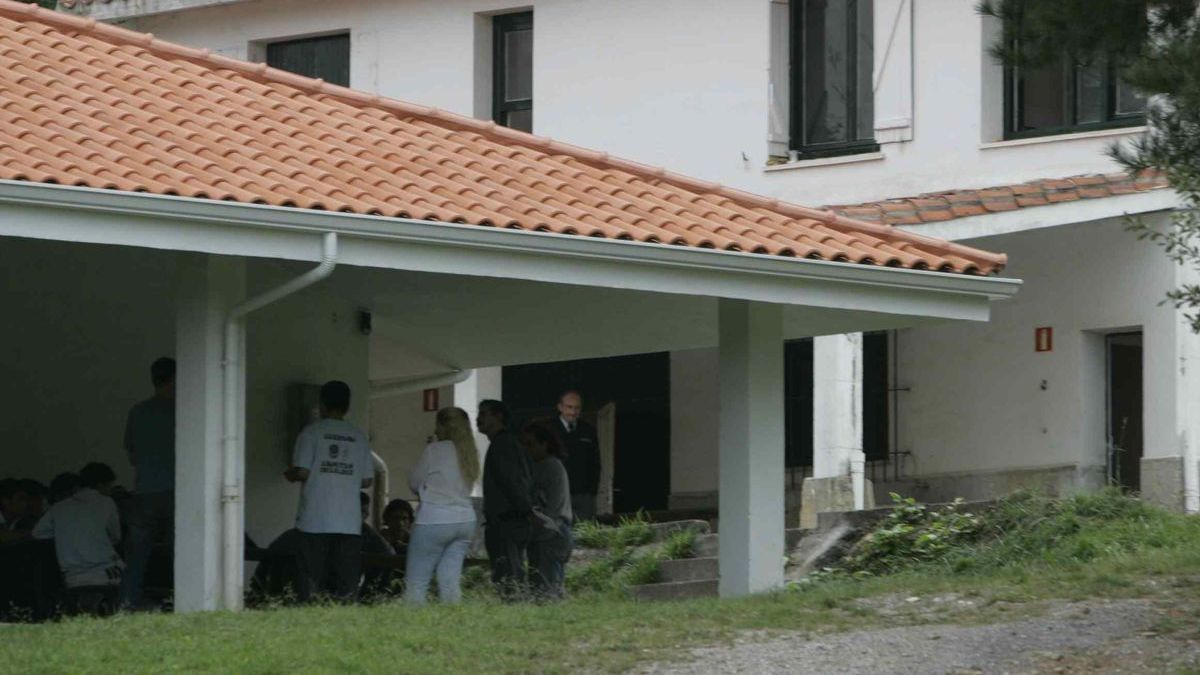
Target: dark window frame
x: 502, y: 24
x: 1014, y: 104
x: 269, y: 50
x: 797, y: 123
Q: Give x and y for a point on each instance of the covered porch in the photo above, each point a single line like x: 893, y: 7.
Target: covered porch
x: 242, y: 217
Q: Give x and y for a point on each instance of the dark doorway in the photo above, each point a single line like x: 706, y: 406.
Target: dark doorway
x: 798, y: 399
x: 640, y: 386
x: 1124, y: 353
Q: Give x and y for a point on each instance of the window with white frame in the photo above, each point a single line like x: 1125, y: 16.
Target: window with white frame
x: 832, y: 61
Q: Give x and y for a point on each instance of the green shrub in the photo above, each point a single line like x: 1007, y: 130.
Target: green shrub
x: 632, y: 530
x: 680, y: 544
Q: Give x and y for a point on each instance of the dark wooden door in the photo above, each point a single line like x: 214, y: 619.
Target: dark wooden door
x: 1125, y: 410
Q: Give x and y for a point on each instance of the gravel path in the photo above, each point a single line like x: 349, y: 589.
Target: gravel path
x: 1069, y: 637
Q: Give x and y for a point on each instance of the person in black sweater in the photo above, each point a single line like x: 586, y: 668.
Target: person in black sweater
x: 507, y: 499
x: 582, y: 455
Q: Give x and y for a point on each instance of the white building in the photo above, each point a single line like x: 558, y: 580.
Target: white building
x: 706, y: 89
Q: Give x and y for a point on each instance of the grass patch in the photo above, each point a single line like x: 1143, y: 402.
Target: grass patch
x: 679, y: 545
x: 1026, y: 549
x: 632, y: 530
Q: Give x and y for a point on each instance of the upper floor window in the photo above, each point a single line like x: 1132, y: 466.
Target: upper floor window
x: 326, y: 57
x: 1044, y: 95
x: 512, y: 70
x: 833, y: 56
x: 1063, y: 97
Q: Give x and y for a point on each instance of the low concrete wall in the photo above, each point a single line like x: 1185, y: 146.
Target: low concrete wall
x: 1054, y: 480
x: 1162, y: 482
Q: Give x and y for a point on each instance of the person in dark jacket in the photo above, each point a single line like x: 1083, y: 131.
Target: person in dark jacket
x: 582, y: 459
x: 507, y: 498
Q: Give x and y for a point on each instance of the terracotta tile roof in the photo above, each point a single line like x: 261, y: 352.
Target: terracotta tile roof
x: 86, y: 103
x: 937, y: 206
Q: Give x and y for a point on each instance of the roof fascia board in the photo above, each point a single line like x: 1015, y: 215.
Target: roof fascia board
x: 230, y: 228
x: 1050, y: 215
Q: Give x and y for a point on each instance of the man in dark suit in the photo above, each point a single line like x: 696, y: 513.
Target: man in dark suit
x: 583, y: 455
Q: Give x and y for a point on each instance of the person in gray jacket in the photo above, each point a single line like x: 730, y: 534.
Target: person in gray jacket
x: 85, y: 528
x: 551, y: 542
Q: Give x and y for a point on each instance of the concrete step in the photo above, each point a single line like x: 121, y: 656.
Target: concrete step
x: 706, y: 546
x: 676, y: 590
x: 662, y: 531
x: 688, y: 569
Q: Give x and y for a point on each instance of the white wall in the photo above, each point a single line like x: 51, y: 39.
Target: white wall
x: 399, y: 429
x: 82, y: 325
x: 677, y: 83
x: 310, y: 337
x: 977, y: 401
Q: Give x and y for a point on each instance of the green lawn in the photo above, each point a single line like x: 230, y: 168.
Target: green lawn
x: 1107, y: 555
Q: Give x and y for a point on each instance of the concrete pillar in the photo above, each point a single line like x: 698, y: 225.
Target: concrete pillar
x: 750, y: 367
x: 207, y: 287
x: 1170, y: 466
x: 837, y: 403
x: 837, y: 483
x: 484, y: 383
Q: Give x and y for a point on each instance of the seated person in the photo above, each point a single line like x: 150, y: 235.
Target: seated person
x: 85, y: 528
x: 35, y: 504
x: 398, y: 519
x: 14, y: 506
x: 278, y: 571
x: 377, y: 568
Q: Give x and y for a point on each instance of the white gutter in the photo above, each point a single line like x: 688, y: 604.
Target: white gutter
x: 401, y: 385
x: 520, y: 242
x: 232, y: 506
x: 379, y: 489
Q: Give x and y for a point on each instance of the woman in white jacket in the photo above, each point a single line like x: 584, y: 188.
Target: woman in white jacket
x: 445, y: 521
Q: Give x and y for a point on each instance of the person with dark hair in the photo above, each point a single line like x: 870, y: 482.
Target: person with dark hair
x: 14, y: 506
x: 85, y: 528
x: 398, y: 518
x: 551, y: 543
x: 150, y: 443
x: 35, y: 505
x: 376, y: 578
x: 581, y: 454
x: 507, y: 498
x: 63, y: 486
x: 332, y: 461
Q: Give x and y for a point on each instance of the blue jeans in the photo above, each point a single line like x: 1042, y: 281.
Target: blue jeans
x: 441, y: 548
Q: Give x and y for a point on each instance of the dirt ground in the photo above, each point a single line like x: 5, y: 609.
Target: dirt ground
x: 937, y: 635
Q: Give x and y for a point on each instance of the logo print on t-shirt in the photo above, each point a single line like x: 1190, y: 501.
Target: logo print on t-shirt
x: 334, y: 450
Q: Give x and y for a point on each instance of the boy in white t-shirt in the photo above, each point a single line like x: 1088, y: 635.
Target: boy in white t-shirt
x: 333, y: 462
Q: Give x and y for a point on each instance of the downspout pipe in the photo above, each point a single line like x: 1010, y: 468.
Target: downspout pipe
x: 232, y: 503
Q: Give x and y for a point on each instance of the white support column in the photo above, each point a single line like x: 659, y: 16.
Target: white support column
x: 484, y: 383
x: 837, y: 404
x: 750, y: 356
x: 837, y: 483
x: 207, y: 287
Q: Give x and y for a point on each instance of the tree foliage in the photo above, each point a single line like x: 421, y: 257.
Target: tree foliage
x: 1157, y: 45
